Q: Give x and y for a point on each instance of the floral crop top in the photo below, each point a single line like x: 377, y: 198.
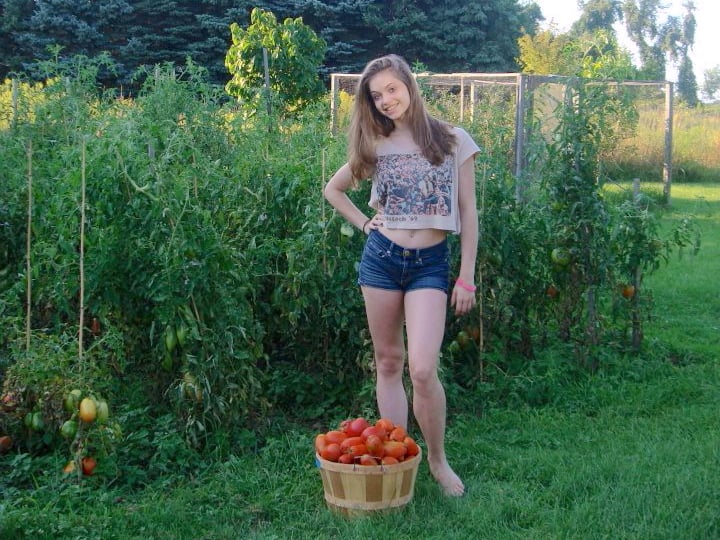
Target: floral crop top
x: 414, y: 194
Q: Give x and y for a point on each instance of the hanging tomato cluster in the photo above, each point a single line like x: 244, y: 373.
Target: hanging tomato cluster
x: 357, y: 441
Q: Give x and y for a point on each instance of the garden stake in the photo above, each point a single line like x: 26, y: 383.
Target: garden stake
x: 27, y: 247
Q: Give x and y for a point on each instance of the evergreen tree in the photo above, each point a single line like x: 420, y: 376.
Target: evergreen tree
x: 452, y: 36
x: 14, y: 21
x: 78, y: 26
x: 352, y: 41
x: 444, y: 35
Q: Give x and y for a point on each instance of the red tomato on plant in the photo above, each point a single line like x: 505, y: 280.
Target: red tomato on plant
x: 628, y: 291
x: 5, y: 443
x: 88, y: 465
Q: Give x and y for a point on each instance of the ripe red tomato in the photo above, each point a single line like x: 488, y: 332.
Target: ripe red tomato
x: 395, y: 449
x: 374, y: 430
x: 88, y: 465
x: 5, y: 443
x: 375, y: 446
x: 628, y: 291
x: 346, y: 459
x: 368, y: 460
x: 335, y: 436
x: 351, y: 441
x: 398, y: 434
x: 357, y: 450
x: 320, y: 442
x: 385, y: 424
x: 412, y: 447
x: 357, y: 426
x: 331, y: 452
x: 389, y: 460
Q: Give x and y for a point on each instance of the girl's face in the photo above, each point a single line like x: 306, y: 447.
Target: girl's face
x: 389, y: 94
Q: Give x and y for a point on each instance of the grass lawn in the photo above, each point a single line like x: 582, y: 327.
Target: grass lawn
x: 631, y: 452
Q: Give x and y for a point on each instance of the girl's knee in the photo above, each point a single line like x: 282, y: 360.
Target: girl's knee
x: 389, y: 361
x: 424, y: 376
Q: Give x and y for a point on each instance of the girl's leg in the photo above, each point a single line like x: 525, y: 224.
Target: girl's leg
x: 384, y: 310
x: 425, y: 311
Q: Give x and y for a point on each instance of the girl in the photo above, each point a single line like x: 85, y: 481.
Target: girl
x: 404, y: 269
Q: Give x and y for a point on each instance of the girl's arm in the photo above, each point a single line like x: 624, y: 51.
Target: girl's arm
x: 462, y: 299
x: 336, y: 194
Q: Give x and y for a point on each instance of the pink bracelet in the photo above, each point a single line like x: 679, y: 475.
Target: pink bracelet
x: 465, y: 285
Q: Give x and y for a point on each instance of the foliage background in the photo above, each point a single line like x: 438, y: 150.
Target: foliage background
x: 136, y: 34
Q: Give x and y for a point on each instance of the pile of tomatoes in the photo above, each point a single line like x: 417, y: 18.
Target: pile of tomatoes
x: 358, y: 442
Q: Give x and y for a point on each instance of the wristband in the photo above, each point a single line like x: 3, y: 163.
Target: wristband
x: 365, y: 225
x: 462, y: 283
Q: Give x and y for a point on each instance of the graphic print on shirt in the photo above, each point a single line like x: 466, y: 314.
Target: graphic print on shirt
x: 409, y: 186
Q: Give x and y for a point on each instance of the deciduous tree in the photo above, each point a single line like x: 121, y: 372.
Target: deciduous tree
x: 294, y: 53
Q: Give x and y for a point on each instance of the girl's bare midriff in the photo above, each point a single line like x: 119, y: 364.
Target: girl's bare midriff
x: 414, y: 238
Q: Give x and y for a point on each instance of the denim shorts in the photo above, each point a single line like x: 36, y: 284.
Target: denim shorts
x: 386, y: 265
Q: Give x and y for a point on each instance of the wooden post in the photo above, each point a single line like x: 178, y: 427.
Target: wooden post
x: 462, y: 99
x: 521, y: 108
x: 473, y: 98
x: 82, y: 253
x: 15, y: 92
x: 28, y: 245
x: 667, y: 161
x: 266, y: 67
x: 333, y: 103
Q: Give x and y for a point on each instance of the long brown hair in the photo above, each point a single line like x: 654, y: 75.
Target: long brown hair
x: 434, y: 137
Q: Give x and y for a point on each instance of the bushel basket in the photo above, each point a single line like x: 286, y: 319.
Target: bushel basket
x: 361, y: 489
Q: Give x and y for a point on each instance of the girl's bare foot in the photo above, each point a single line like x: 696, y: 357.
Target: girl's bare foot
x: 448, y: 480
